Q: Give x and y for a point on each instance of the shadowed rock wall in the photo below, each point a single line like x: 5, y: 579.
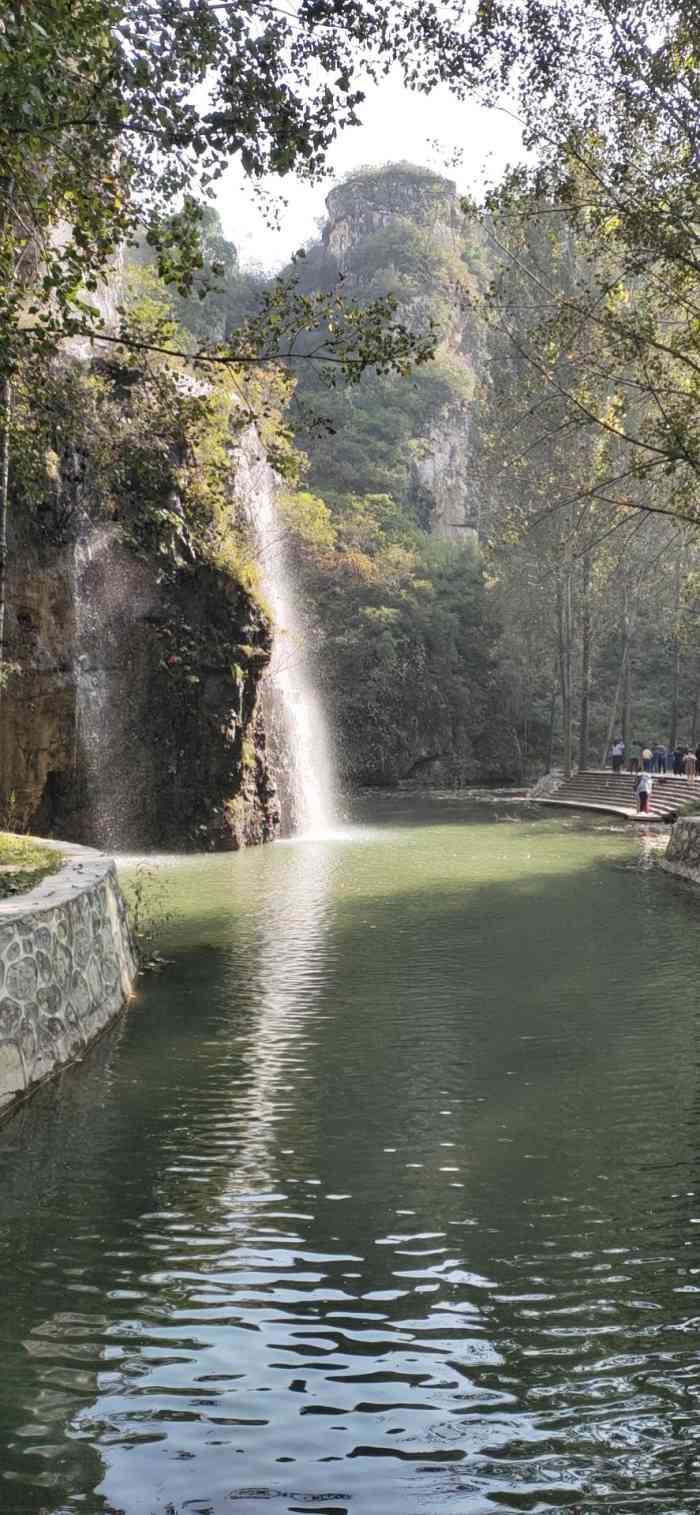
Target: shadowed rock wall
x: 683, y: 852
x: 134, y: 720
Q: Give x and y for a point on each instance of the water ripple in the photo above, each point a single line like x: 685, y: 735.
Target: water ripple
x: 385, y: 1201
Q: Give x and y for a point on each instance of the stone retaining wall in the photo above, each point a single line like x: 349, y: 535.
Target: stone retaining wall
x: 683, y: 851
x: 66, y: 968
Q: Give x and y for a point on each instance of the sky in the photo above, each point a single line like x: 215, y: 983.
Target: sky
x: 397, y: 125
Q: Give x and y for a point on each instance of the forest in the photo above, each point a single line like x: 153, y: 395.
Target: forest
x: 542, y: 593
x: 483, y: 416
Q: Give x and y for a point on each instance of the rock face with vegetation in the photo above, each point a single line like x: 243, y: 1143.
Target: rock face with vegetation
x: 133, y: 621
x: 401, y: 230
x: 395, y: 583
x: 683, y: 852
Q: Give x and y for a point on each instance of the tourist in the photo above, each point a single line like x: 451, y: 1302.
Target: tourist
x: 690, y: 764
x: 633, y: 764
x: 645, y: 784
x: 618, y: 756
x: 697, y: 756
x: 678, y: 755
x: 646, y: 759
x: 659, y: 759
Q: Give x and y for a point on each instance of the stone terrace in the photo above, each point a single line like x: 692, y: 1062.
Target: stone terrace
x: 599, y: 789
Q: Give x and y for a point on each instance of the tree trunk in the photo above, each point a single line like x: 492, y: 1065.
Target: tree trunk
x: 694, y: 724
x: 552, y: 720
x: 627, y: 696
x: 564, y: 617
x: 586, y: 648
x: 676, y: 664
x: 4, y: 494
x: 613, y: 708
x: 675, y: 679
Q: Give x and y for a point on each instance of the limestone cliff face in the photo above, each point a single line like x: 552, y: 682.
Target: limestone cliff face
x: 444, y: 484
x: 374, y: 213
x: 367, y: 202
x: 409, y: 661
x: 134, y: 720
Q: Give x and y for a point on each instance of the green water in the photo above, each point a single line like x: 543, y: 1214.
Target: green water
x: 383, y: 1199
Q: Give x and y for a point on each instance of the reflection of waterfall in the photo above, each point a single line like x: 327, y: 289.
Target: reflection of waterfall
x: 290, y: 964
x: 306, y: 760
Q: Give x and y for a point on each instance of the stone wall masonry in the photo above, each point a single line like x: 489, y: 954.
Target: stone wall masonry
x: 66, y: 968
x: 683, y: 852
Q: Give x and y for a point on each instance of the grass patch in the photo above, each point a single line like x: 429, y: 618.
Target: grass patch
x: 24, y: 863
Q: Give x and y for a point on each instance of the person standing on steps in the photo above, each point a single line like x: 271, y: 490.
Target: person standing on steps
x: 659, y: 759
x: 618, y: 756
x: 690, y: 765
x: 646, y: 759
x: 645, y: 784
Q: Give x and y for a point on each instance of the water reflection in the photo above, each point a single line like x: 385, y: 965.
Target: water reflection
x: 386, y: 1201
x: 287, y: 980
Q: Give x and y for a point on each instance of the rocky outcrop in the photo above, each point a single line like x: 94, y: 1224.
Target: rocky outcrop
x: 683, y: 852
x: 408, y: 662
x: 66, y: 969
x: 134, y: 718
x: 373, y: 219
x: 366, y: 202
x: 444, y: 486
x: 419, y: 738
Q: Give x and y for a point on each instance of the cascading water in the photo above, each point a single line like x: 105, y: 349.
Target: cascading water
x: 292, y: 695
x: 106, y: 733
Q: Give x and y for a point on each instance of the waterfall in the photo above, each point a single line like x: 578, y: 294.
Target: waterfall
x: 301, y: 749
x: 106, y: 734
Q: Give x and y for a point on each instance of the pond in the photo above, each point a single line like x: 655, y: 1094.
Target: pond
x: 384, y: 1198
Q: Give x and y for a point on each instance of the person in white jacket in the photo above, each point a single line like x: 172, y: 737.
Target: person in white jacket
x: 644, y: 789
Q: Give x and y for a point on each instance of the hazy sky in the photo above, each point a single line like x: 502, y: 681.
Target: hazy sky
x: 396, y: 125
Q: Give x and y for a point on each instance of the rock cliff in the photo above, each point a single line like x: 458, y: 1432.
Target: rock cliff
x: 405, y: 624
x: 403, y: 229
x: 367, y: 202
x: 133, y: 719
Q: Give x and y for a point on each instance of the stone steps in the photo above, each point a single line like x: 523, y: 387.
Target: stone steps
x: 599, y: 789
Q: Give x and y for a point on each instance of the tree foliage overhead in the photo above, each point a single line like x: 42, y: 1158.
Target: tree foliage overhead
x: 609, y: 93
x: 591, y: 418
x: 119, y: 116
